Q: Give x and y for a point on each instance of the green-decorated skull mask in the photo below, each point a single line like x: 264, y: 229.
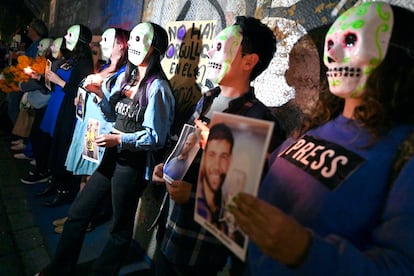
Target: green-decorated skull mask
x: 224, y: 50
x: 355, y: 45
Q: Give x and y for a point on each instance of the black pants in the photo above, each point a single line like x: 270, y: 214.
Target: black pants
x: 125, y: 183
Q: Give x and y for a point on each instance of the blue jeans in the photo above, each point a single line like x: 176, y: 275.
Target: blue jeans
x: 123, y: 177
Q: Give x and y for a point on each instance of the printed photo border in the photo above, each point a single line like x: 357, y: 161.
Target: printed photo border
x: 80, y: 107
x: 244, y: 170
x: 172, y: 169
x: 90, y: 149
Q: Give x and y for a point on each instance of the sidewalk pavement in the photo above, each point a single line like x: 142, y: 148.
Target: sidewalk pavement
x: 27, y: 236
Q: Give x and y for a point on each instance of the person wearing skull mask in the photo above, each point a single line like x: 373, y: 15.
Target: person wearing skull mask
x: 43, y: 48
x: 108, y: 79
x: 59, y: 56
x: 102, y: 84
x: 328, y: 205
x: 35, y: 99
x: 44, y: 120
x: 76, y: 68
x: 36, y: 31
x: 38, y: 96
x: 143, y: 110
x: 239, y: 54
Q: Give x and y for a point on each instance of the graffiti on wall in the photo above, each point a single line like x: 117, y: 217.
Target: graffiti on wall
x: 185, y: 61
x: 289, y: 20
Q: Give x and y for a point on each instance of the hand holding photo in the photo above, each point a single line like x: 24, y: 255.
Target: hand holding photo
x: 80, y: 103
x: 183, y: 154
x: 232, y: 162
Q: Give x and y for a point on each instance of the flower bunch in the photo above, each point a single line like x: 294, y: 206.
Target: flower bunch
x: 39, y: 65
x: 13, y: 75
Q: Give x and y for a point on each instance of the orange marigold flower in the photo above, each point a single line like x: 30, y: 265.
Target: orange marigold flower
x: 39, y: 65
x: 24, y: 61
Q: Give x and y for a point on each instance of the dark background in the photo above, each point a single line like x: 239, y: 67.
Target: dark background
x: 14, y: 15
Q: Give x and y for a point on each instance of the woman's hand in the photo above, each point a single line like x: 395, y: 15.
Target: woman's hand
x: 179, y: 191
x: 93, y: 84
x: 275, y: 233
x: 53, y: 77
x: 95, y: 90
x: 108, y: 140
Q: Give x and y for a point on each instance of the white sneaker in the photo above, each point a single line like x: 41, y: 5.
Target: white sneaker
x: 22, y: 156
x: 16, y: 142
x: 18, y: 147
x: 33, y: 162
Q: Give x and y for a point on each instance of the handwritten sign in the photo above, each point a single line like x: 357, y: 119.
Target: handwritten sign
x: 186, y: 59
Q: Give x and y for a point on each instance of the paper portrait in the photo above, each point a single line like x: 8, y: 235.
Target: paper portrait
x: 232, y: 162
x: 81, y: 103
x: 183, y: 154
x: 90, y: 148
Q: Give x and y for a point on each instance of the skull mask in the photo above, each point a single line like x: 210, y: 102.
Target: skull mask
x: 55, y: 47
x: 72, y: 37
x: 107, y: 43
x: 139, y: 42
x: 224, y: 50
x: 355, y: 45
x: 44, y: 44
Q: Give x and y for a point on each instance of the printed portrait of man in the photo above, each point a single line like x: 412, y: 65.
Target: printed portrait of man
x: 217, y: 158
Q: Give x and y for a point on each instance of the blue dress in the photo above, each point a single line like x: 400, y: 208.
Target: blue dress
x: 74, y: 160
x: 55, y: 101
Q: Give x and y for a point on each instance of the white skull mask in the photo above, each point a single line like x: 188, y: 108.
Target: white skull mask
x: 44, y: 44
x: 355, y: 45
x: 107, y: 43
x: 139, y: 42
x: 224, y: 50
x: 55, y: 47
x: 72, y: 37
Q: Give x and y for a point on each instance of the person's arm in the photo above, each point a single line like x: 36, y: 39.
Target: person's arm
x: 83, y: 68
x: 31, y: 85
x: 158, y: 118
x: 107, y: 103
x: 391, y: 251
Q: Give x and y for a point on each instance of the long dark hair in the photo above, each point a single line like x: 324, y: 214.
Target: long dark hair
x: 122, y: 36
x: 388, y: 98
x: 82, y: 49
x: 154, y: 69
